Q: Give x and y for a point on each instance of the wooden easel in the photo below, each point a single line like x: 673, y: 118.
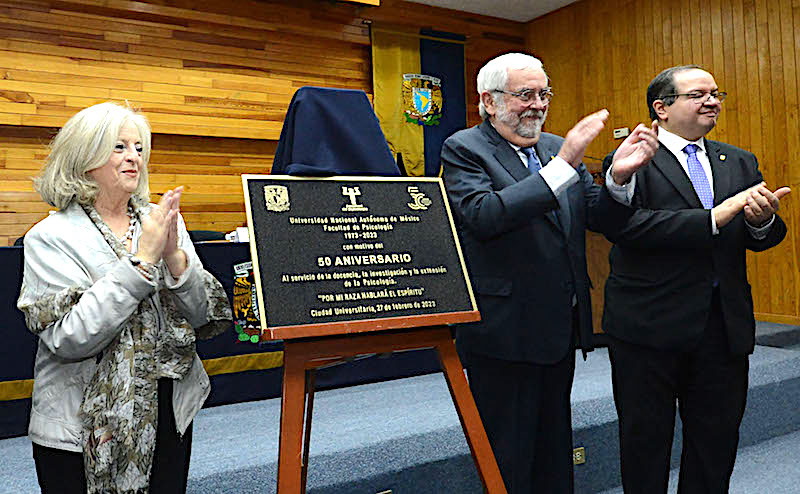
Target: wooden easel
x: 306, y: 292
x: 303, y: 356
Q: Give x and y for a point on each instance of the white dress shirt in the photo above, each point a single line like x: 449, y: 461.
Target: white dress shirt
x: 558, y: 174
x: 675, y: 145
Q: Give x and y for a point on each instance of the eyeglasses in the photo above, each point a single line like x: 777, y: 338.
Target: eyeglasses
x: 700, y: 97
x: 526, y: 95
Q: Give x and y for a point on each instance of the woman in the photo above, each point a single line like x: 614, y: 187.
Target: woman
x: 116, y: 294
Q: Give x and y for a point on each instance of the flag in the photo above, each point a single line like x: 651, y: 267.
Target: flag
x: 419, y: 94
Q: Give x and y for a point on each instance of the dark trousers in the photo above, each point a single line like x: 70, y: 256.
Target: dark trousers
x: 525, y: 409
x: 61, y: 472
x: 710, y: 387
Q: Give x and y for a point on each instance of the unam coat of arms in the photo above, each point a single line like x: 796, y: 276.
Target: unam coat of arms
x: 276, y: 198
x: 422, y: 99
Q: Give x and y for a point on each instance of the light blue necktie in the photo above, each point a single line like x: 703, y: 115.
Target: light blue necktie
x: 698, y: 177
x: 534, y: 165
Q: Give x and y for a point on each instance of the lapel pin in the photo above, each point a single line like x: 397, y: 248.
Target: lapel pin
x: 722, y: 157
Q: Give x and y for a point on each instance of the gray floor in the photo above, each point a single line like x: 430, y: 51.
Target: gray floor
x: 769, y: 467
x: 408, y: 429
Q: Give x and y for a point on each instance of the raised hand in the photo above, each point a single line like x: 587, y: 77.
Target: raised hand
x: 762, y: 204
x: 635, y: 152
x: 155, y: 229
x: 172, y: 239
x: 173, y: 255
x: 580, y: 136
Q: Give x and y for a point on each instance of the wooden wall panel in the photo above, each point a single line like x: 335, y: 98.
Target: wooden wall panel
x: 209, y: 168
x: 603, y: 54
x: 215, y: 83
x: 213, y: 76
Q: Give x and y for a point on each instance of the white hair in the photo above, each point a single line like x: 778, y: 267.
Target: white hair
x: 83, y: 144
x: 494, y: 75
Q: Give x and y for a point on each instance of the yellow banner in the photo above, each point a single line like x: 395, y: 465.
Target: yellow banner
x: 22, y: 389
x: 393, y: 55
x: 16, y: 390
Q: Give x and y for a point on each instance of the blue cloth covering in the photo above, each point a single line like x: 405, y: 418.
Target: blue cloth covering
x: 332, y: 132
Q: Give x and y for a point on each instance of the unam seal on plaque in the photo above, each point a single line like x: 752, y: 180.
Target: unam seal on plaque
x: 276, y: 198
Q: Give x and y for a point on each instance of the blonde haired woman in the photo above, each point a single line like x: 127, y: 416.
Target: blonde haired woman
x: 116, y: 294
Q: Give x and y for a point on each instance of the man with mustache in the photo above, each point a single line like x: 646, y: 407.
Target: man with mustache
x: 522, y: 201
x: 678, y: 307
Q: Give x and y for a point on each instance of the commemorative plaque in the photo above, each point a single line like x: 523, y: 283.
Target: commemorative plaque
x: 339, y: 255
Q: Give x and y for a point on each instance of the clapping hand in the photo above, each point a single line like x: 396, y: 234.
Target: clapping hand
x: 580, y: 136
x: 635, y: 152
x: 160, y: 234
x: 762, y: 204
x: 174, y: 256
x: 758, y: 203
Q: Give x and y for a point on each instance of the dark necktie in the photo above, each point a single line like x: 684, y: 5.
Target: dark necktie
x: 534, y: 165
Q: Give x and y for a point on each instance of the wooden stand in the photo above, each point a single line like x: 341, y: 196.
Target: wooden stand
x: 313, y: 292
x: 303, y: 356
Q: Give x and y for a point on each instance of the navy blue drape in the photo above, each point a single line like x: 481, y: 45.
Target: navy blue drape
x: 332, y: 132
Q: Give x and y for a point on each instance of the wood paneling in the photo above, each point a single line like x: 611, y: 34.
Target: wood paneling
x: 207, y: 167
x: 215, y: 82
x: 603, y: 54
x: 214, y: 77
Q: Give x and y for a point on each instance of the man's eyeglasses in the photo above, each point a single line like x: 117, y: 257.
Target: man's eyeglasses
x: 526, y: 95
x: 700, y: 97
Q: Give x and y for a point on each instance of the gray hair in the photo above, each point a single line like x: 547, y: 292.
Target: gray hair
x: 494, y: 75
x: 83, y: 144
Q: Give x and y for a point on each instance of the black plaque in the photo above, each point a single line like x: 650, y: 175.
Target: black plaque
x: 342, y: 249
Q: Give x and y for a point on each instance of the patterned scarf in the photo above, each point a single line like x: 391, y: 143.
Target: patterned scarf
x: 120, y: 404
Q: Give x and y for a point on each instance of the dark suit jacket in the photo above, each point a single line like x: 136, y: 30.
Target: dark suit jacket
x: 665, y: 260
x: 524, y: 267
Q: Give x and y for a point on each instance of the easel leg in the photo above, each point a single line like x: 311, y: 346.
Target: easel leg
x: 310, y: 378
x: 482, y: 454
x: 297, y: 383
x: 291, y: 438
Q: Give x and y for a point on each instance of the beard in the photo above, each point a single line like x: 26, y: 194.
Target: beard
x: 527, y: 124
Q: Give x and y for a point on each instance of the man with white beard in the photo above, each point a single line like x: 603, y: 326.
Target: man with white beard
x: 522, y: 201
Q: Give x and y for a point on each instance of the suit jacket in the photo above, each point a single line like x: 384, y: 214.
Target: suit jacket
x: 524, y: 266
x: 665, y: 259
